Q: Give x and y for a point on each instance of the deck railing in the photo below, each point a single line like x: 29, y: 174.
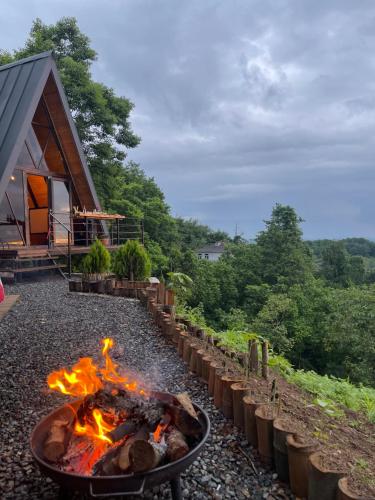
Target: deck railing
x: 67, y: 230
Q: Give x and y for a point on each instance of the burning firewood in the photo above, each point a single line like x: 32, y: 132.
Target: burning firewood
x: 124, y: 429
x: 118, y: 426
x: 145, y: 455
x: 184, y: 399
x: 123, y: 459
x: 177, y: 446
x: 185, y: 417
x: 57, y: 440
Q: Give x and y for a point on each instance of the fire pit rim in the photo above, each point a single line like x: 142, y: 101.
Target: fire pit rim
x: 49, y: 465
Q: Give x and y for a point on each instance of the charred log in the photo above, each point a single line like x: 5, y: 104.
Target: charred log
x: 123, y: 430
x: 57, y: 440
x: 145, y: 455
x: 123, y: 459
x: 177, y: 446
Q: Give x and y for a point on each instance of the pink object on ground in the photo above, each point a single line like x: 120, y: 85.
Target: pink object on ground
x: 2, y: 292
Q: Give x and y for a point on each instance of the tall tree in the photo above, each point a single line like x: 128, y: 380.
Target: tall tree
x: 284, y: 257
x: 101, y: 117
x: 335, y: 264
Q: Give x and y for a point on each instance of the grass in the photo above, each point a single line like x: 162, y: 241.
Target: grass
x: 329, y: 391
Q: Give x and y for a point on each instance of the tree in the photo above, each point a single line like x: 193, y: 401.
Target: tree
x: 97, y: 261
x: 351, y: 341
x: 132, y: 261
x: 283, y: 254
x: 275, y: 321
x: 101, y: 117
x: 357, y: 271
x: 335, y: 264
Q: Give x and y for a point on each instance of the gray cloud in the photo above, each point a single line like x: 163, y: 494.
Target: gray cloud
x: 240, y: 104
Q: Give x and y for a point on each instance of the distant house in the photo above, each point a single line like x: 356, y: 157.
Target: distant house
x: 211, y: 252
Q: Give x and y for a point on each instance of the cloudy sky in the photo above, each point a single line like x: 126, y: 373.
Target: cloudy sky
x: 240, y: 103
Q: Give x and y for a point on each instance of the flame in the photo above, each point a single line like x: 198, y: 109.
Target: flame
x: 162, y: 426
x: 82, y: 379
x: 98, y: 429
x: 86, y: 377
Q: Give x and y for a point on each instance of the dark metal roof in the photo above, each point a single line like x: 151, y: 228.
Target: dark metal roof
x: 213, y: 248
x: 21, y: 87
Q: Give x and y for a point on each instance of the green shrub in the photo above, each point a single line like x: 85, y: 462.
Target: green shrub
x: 132, y: 261
x: 97, y: 261
x: 181, y: 284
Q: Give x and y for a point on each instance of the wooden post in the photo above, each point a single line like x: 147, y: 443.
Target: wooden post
x: 265, y: 359
x: 254, y: 356
x: 248, y: 360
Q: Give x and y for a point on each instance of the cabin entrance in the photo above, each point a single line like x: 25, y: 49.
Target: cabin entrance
x: 45, y: 194
x: 38, y: 196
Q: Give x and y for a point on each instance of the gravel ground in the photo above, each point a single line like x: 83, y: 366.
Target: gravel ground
x: 51, y: 327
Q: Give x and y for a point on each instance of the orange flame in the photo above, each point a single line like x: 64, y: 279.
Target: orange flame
x: 86, y: 377
x: 162, y: 426
x: 82, y: 380
x: 98, y: 430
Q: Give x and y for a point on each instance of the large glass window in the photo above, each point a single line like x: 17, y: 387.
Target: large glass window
x: 36, y: 150
x: 61, y: 209
x: 12, y: 212
x: 24, y: 160
x: 46, y: 138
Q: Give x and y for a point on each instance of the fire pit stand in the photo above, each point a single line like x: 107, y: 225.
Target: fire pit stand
x: 65, y: 494
x: 120, y: 485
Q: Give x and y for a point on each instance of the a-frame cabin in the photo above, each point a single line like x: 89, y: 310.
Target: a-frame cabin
x: 47, y: 196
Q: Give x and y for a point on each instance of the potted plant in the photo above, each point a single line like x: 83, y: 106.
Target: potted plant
x: 132, y: 262
x: 95, y: 266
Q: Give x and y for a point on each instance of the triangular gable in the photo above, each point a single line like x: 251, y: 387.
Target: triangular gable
x: 22, y: 85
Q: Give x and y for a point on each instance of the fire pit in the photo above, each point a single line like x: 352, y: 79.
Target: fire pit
x: 118, y: 438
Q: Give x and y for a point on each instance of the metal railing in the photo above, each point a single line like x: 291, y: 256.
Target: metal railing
x: 66, y: 230
x: 53, y: 223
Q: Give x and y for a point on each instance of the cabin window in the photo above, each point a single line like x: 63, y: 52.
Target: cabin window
x: 61, y: 208
x: 12, y: 212
x: 36, y: 150
x: 206, y: 256
x: 46, y: 138
x: 25, y: 160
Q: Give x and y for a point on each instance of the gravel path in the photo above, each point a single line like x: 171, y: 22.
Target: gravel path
x: 51, y: 327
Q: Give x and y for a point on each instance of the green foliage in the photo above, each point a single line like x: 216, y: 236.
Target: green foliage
x: 235, y: 319
x: 255, y: 298
x: 275, y: 322
x: 132, y: 261
x: 181, y: 284
x: 329, y: 391
x: 97, y: 261
x: 159, y: 261
x: 283, y: 255
x: 236, y: 340
x: 354, y: 246
x: 335, y: 264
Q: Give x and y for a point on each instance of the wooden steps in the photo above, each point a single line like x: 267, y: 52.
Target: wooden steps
x: 7, y: 304
x: 37, y: 268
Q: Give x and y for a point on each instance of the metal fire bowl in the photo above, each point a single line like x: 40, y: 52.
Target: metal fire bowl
x: 120, y: 485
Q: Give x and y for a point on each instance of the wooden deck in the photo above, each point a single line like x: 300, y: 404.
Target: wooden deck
x: 44, y: 251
